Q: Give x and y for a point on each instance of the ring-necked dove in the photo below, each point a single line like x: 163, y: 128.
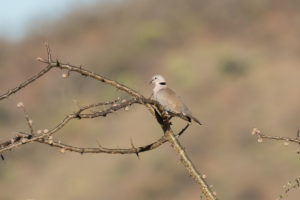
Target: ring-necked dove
x: 168, y: 98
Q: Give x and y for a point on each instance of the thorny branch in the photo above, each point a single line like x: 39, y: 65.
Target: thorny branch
x: 286, y: 140
x: 290, y: 186
x: 261, y: 136
x: 46, y: 136
x: 27, y: 82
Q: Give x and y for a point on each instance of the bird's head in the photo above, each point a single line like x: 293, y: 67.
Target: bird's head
x: 158, y: 79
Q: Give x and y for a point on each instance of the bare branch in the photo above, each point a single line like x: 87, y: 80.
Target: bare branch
x: 186, y: 161
x: 290, y: 186
x: 85, y: 112
x: 29, y: 121
x: 261, y: 136
x: 133, y: 147
x: 25, y: 83
x: 17, y: 141
x: 100, y: 149
x: 93, y: 75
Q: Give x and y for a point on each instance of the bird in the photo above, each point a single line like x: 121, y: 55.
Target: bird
x: 168, y: 98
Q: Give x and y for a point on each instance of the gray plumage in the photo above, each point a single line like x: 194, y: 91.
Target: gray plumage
x: 169, y: 100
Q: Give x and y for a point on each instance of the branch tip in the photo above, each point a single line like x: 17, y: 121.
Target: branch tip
x: 46, y: 136
x: 48, y: 52
x: 40, y: 59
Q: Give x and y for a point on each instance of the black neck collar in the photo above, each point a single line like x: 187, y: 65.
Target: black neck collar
x: 162, y: 83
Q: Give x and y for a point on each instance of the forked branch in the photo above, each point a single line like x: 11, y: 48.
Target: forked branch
x: 46, y: 136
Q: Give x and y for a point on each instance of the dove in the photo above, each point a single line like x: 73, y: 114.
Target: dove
x: 169, y: 99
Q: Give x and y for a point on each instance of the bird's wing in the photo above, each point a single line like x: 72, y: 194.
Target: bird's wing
x: 168, y: 98
x: 171, y: 102
x: 185, y: 109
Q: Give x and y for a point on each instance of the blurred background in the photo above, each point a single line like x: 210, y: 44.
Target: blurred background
x: 235, y: 64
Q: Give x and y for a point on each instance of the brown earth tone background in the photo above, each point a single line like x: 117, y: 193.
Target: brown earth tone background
x: 235, y: 63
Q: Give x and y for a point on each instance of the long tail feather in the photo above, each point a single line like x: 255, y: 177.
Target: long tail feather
x: 193, y: 118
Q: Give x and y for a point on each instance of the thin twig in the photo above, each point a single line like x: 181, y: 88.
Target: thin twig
x: 28, y: 120
x: 17, y: 141
x: 261, y: 136
x: 25, y: 83
x: 154, y: 107
x: 100, y: 149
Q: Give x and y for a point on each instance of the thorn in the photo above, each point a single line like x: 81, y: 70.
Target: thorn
x: 57, y: 63
x: 78, y: 116
x: 48, y: 51
x: 136, y: 152
x: 2, y: 157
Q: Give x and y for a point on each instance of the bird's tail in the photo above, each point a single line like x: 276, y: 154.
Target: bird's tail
x: 191, y: 117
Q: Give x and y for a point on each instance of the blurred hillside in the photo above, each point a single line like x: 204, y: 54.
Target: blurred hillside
x: 235, y: 63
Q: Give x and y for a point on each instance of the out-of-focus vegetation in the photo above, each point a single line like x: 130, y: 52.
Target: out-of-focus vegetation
x: 235, y: 63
